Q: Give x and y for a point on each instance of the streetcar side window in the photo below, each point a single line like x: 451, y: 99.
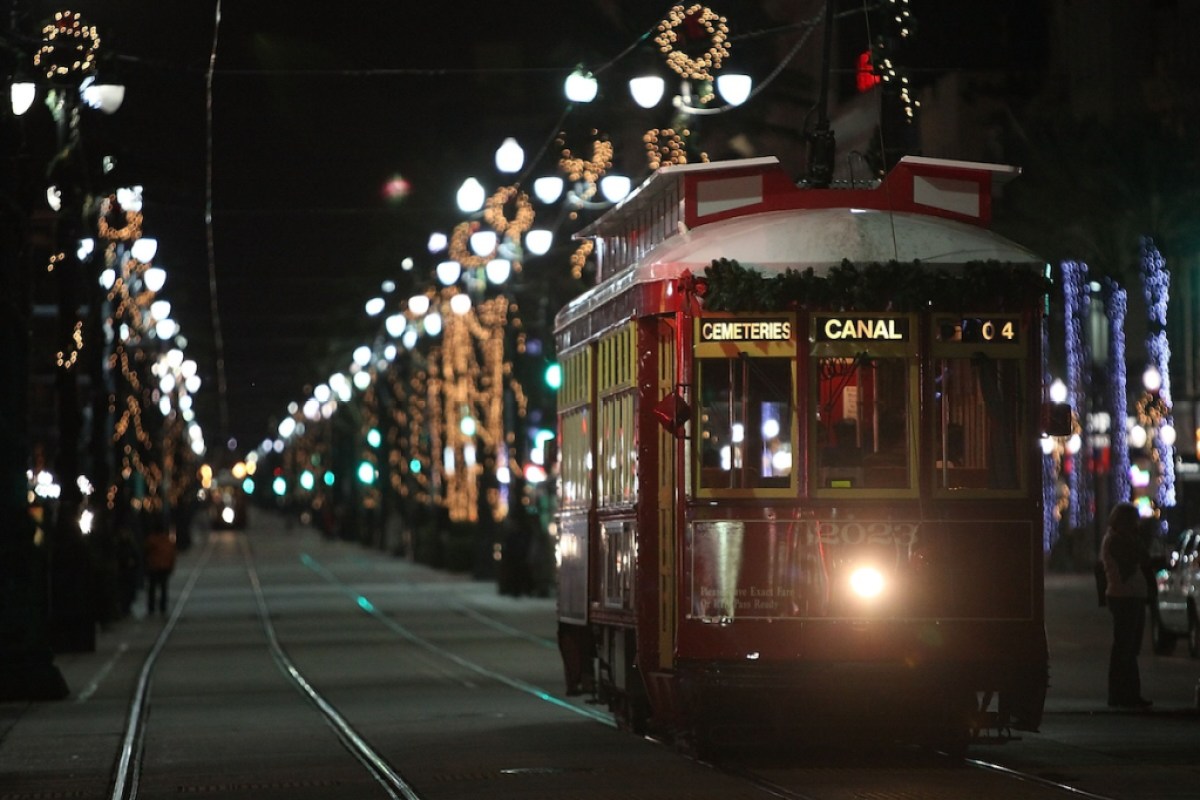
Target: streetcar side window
x: 745, y: 422
x: 978, y: 401
x: 864, y: 431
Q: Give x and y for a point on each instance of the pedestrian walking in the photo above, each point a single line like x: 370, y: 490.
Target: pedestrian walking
x: 160, y: 563
x: 1125, y: 555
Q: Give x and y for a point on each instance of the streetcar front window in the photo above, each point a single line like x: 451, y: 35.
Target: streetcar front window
x: 863, y: 431
x: 978, y: 402
x: 745, y: 432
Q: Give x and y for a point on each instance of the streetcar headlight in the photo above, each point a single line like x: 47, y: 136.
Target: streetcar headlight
x: 867, y: 582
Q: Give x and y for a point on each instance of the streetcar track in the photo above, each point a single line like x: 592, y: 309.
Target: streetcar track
x: 373, y: 611
x: 1025, y: 777
x: 130, y: 759
x: 374, y: 763
x: 760, y: 782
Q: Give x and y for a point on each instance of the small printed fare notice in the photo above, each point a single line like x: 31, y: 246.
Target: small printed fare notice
x: 744, y: 601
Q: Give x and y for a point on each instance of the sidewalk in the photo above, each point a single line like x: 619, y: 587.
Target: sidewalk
x: 1079, y: 632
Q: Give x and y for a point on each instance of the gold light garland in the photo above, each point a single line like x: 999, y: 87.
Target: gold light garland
x: 580, y: 256
x: 590, y: 170
x: 129, y: 232
x: 67, y: 46
x: 66, y: 361
x: 701, y: 68
x: 665, y: 147
x: 493, y: 212
x: 460, y: 251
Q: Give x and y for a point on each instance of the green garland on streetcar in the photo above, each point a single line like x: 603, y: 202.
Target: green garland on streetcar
x: 893, y: 286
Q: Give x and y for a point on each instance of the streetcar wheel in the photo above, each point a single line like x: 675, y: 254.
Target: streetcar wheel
x: 1161, y: 640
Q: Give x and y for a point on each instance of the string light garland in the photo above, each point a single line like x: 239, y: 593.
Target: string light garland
x: 665, y: 147
x: 581, y: 169
x: 701, y: 20
x: 1117, y: 310
x: 1076, y: 300
x: 459, y: 249
x: 523, y: 216
x: 579, y: 258
x: 68, y: 46
x: 1156, y: 285
x: 66, y: 361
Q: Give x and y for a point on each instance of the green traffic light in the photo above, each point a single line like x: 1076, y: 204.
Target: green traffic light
x: 553, y: 376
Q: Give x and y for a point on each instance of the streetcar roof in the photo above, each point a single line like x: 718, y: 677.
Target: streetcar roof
x: 822, y: 238
x: 682, y: 218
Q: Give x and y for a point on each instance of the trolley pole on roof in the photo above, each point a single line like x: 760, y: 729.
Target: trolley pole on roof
x: 821, y: 144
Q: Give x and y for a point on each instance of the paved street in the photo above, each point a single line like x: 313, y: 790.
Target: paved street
x: 457, y: 689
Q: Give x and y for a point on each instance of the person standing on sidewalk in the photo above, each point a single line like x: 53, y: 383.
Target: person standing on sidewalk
x: 160, y: 563
x: 1125, y: 556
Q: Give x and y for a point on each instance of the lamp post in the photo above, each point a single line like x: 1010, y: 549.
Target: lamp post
x: 64, y: 65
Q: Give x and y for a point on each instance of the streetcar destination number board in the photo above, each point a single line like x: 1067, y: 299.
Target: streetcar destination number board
x: 979, y: 330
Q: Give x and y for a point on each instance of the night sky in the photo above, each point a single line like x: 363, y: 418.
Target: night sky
x: 312, y: 111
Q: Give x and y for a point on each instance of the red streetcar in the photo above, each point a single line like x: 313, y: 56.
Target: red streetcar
x: 800, y: 481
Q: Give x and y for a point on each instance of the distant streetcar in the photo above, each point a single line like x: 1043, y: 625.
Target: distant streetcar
x: 800, y: 474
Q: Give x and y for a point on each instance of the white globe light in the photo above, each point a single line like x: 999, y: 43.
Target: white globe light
x: 460, y: 304
x: 510, y: 157
x: 54, y: 198
x: 437, y: 242
x: 498, y: 270
x: 448, y: 272
x: 1166, y: 435
x: 1058, y: 391
x: 483, y: 243
x: 107, y: 278
x: 130, y: 198
x: 1138, y: 437
x: 166, y: 328
x: 362, y: 355
x: 615, y: 188
x: 22, y: 96
x: 155, y: 278
x: 548, y: 189
x: 734, y: 88
x: 433, y: 324
x: 105, y: 96
x: 581, y: 86
x: 144, y: 250
x: 362, y: 380
x: 395, y: 325
x: 409, y: 339
x: 647, y: 90
x: 375, y: 306
x: 471, y: 196
x: 160, y: 309
x: 1151, y: 379
x: 418, y: 304
x: 538, y: 241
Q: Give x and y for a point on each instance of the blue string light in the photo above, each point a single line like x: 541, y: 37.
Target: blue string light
x: 1156, y: 284
x: 1118, y: 398
x: 1075, y: 310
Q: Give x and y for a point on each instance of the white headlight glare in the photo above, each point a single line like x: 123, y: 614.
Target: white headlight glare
x: 867, y: 582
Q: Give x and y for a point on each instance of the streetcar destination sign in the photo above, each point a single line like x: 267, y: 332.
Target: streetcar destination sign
x: 859, y: 329
x: 979, y: 330
x: 759, y: 330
